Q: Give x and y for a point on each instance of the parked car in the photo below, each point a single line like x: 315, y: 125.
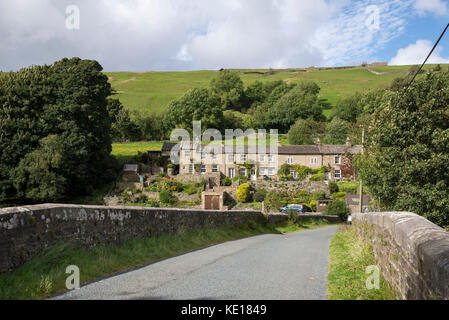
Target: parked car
x: 300, y: 208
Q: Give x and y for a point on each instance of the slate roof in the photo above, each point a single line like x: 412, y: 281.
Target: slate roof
x: 289, y: 150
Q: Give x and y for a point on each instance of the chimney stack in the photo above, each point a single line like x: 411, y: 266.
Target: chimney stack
x: 348, y: 142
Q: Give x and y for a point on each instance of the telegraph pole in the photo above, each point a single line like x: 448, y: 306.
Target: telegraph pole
x: 361, y: 183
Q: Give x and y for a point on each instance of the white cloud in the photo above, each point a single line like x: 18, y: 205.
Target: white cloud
x: 138, y: 35
x: 437, y: 7
x: 416, y: 53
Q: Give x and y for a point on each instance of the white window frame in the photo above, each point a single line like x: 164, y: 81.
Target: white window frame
x: 231, y: 158
x: 314, y: 160
x: 244, y: 170
x: 270, y: 158
x: 339, y: 174
x: 339, y: 159
x: 262, y: 158
x: 290, y: 160
x: 229, y: 172
x: 203, y: 169
x: 243, y: 157
x: 271, y: 171
x: 203, y: 156
x: 191, y: 168
x: 214, y: 168
x: 214, y: 156
x: 294, y: 173
x: 262, y: 171
x: 187, y: 153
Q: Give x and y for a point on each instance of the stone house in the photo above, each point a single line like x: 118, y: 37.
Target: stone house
x: 255, y: 162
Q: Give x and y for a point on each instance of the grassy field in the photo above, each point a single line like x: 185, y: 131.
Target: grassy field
x: 349, y: 256
x: 45, y: 275
x: 150, y: 92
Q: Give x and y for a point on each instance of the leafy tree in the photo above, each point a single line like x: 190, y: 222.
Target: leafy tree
x: 338, y: 208
x: 349, y: 108
x: 407, y: 154
x: 229, y: 87
x: 123, y: 128
x: 301, y: 102
x: 196, y: 104
x: 336, y: 131
x: 39, y: 174
x: 304, y: 132
x: 68, y: 99
x: 399, y: 83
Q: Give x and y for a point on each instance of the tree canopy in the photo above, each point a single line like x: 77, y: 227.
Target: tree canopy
x: 55, y: 125
x: 406, y: 163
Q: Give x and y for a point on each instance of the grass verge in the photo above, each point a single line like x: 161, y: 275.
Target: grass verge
x: 349, y: 256
x: 45, y: 274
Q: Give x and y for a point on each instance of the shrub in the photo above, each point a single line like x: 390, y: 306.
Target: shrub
x: 190, y: 189
x: 142, y: 198
x: 338, y: 195
x: 349, y: 187
x: 312, y: 205
x: 243, y: 193
x: 338, y: 208
x: 318, y: 177
x: 319, y: 195
x: 303, y: 196
x: 333, y: 187
x: 274, y: 200
x: 260, y: 195
x: 166, y: 197
x: 162, y: 174
x: 152, y: 202
x: 226, y: 182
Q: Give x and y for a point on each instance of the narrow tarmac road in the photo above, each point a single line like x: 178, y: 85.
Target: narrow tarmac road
x: 271, y: 266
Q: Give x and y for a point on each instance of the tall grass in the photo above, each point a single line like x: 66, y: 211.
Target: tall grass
x: 349, y: 256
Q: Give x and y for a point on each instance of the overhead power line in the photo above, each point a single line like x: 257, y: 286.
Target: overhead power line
x: 428, y: 56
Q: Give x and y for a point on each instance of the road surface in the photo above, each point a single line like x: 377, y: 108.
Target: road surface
x: 270, y: 266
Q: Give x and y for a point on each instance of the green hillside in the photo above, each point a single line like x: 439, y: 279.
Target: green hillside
x: 150, y: 92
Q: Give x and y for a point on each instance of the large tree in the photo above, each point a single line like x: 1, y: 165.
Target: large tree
x: 62, y: 108
x: 196, y: 104
x: 229, y: 87
x: 301, y: 102
x: 406, y: 163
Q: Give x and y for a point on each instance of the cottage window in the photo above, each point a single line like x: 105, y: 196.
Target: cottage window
x: 190, y: 168
x: 262, y: 171
x: 187, y: 153
x: 337, y: 174
x: 243, y: 158
x: 203, y: 168
x: 270, y: 158
x: 313, y: 161
x: 290, y: 160
x: 262, y: 158
x: 337, y: 160
x: 271, y: 171
x: 231, y: 158
x: 215, y: 168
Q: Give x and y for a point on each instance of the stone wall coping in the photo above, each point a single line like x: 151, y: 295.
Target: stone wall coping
x: 419, y: 236
x: 46, y: 206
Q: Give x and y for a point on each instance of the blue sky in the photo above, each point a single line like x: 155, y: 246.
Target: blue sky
x: 142, y: 35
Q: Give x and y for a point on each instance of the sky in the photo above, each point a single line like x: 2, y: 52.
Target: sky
x: 169, y: 35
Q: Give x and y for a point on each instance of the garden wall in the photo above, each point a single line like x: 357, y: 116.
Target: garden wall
x: 24, y: 231
x: 412, y: 252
